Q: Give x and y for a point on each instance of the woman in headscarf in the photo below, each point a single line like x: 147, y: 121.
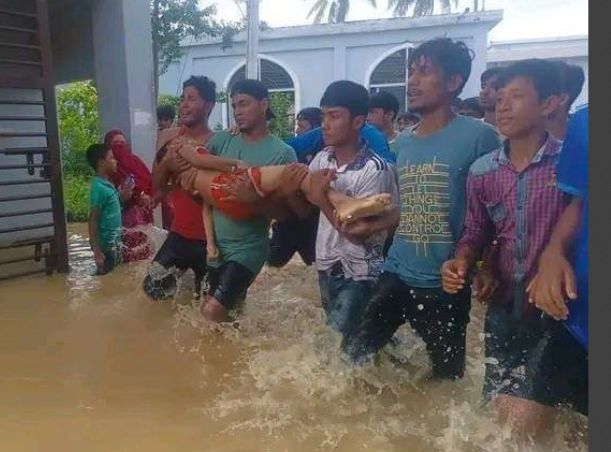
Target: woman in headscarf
x: 137, y: 211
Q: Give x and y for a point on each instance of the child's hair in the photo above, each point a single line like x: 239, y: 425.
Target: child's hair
x: 204, y: 86
x: 409, y: 116
x: 349, y: 95
x: 386, y: 101
x: 490, y: 73
x: 95, y: 153
x: 452, y: 57
x: 311, y: 114
x: 166, y: 112
x: 544, y: 75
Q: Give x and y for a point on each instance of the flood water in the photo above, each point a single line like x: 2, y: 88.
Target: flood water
x: 89, y: 363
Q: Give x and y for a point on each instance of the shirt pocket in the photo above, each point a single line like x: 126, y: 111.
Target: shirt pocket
x: 496, y: 211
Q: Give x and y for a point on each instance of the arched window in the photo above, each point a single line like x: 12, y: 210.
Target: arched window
x: 277, y: 80
x: 391, y: 75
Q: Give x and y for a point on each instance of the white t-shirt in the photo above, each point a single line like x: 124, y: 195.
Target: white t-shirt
x: 367, y: 175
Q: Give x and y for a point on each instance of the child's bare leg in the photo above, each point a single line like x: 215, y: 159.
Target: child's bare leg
x: 211, y: 248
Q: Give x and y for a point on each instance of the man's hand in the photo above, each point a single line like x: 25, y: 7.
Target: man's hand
x: 241, y: 190
x: 291, y: 179
x: 319, y: 185
x: 484, y: 285
x: 454, y: 275
x: 356, y: 232
x: 552, y: 285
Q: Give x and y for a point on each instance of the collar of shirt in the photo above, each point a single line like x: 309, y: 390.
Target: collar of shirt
x: 359, y: 161
x: 550, y: 148
x: 106, y: 182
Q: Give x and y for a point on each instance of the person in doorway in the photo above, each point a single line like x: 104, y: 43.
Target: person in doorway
x: 383, y: 109
x: 185, y: 246
x: 487, y: 94
x: 573, y: 79
x: 104, y: 209
x: 513, y: 197
x: 308, y: 119
x: 137, y: 213
x: 166, y: 114
x: 432, y: 162
x: 406, y: 120
x: 349, y: 256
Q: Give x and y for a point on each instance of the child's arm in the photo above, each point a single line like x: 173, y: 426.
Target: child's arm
x: 94, y: 237
x: 212, y: 250
x: 206, y: 160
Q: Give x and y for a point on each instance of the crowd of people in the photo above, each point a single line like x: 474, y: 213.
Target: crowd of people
x: 407, y: 216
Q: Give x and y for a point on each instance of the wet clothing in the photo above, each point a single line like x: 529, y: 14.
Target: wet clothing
x: 104, y: 196
x: 520, y: 211
x: 537, y: 360
x: 246, y: 242
x: 177, y: 255
x: 229, y: 283
x: 236, y: 210
x: 294, y: 236
x: 573, y: 180
x: 432, y: 179
x: 439, y: 318
x: 366, y: 175
x: 188, y: 220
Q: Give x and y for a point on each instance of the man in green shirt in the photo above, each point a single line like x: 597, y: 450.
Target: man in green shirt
x: 243, y: 245
x: 105, y: 210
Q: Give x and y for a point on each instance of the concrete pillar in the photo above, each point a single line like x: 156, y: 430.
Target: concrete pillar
x: 123, y: 61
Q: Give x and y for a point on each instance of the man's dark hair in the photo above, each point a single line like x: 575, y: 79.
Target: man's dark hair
x: 311, y: 114
x: 386, y: 101
x: 490, y: 73
x: 347, y: 94
x: 573, y: 79
x: 543, y: 74
x: 452, y: 57
x: 166, y: 112
x: 95, y: 153
x: 204, y: 86
x: 253, y: 88
x: 409, y: 116
x: 472, y: 103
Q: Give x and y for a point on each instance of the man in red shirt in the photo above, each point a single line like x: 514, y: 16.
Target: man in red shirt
x: 185, y: 246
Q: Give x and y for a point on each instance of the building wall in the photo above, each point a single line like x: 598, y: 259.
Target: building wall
x: 315, y: 59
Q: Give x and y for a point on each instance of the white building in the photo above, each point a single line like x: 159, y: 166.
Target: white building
x: 303, y: 60
x: 570, y: 49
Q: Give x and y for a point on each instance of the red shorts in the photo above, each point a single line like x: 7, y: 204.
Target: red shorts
x: 234, y: 209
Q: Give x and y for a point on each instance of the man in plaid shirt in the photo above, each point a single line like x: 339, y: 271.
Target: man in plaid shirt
x: 514, y: 202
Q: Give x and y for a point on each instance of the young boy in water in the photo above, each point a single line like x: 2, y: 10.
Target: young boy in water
x: 513, y: 198
x: 104, y: 210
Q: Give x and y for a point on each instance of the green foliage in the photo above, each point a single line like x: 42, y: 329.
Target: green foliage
x: 76, y: 197
x: 77, y: 108
x: 281, y: 104
x: 168, y: 99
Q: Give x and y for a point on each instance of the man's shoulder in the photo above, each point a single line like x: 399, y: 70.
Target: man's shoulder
x: 476, y: 127
x: 282, y: 149
x: 485, y: 164
x: 220, y: 138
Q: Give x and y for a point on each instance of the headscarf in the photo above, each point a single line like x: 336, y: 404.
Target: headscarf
x: 128, y: 164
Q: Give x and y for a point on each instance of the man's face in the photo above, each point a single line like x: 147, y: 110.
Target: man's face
x: 193, y: 109
x: 338, y: 125
x: 109, y: 164
x: 248, y: 111
x: 487, y: 94
x: 377, y: 118
x: 163, y: 124
x: 427, y: 88
x: 303, y: 126
x: 519, y: 110
x: 404, y: 123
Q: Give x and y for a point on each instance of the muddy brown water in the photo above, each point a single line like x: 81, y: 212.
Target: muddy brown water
x: 89, y: 363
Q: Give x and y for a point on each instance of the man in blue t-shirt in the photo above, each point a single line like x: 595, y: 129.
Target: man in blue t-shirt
x: 433, y: 161
x: 557, y: 279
